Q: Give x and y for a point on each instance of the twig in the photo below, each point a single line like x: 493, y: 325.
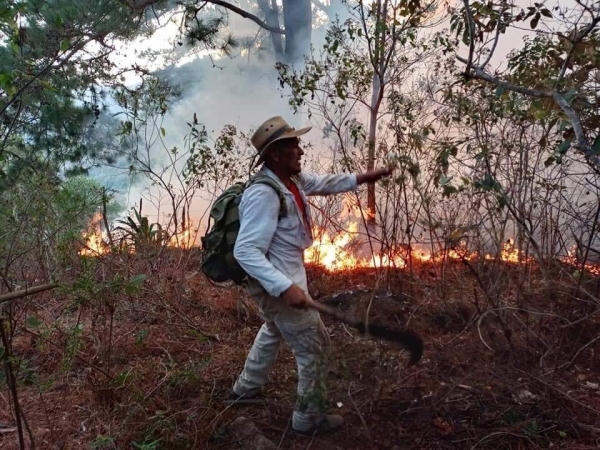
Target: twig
x: 582, y: 143
x: 578, y: 38
x: 469, y: 388
x: 284, y: 433
x: 479, y: 73
x: 479, y: 332
x: 496, y: 39
x: 564, y: 394
x: 311, y: 440
x: 579, y: 351
x: 589, y: 428
x: 498, y: 433
x: 360, y: 416
x: 131, y: 388
x: 246, y: 15
x: 105, y: 218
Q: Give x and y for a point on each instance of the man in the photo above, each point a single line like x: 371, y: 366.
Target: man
x: 271, y: 251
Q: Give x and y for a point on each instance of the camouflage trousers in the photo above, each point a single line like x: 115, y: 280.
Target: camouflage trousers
x: 305, y: 333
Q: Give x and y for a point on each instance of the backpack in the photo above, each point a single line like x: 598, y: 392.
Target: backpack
x: 218, y: 262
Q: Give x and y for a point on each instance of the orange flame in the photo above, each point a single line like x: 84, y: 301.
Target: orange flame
x: 184, y: 239
x: 338, y: 253
x: 96, y: 240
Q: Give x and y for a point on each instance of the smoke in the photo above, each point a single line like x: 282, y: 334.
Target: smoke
x: 243, y: 91
x: 218, y: 90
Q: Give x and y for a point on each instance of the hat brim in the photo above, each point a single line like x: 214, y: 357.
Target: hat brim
x: 286, y: 135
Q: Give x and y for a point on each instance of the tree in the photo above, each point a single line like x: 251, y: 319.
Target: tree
x: 363, y: 64
x: 558, y: 70
x: 523, y: 121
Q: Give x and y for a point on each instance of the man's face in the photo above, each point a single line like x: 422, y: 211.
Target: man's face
x: 288, y: 156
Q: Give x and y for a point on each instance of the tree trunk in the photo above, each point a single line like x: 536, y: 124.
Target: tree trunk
x: 371, y: 147
x: 271, y: 13
x: 297, y: 21
x: 376, y: 97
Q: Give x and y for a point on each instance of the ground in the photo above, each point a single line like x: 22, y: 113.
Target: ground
x: 156, y: 376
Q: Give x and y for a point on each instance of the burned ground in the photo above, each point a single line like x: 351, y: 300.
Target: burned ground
x: 156, y: 376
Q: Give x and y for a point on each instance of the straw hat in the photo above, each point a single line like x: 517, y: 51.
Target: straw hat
x: 273, y: 130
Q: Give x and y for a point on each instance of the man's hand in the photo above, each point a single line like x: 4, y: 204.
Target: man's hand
x: 374, y: 175
x: 295, y: 297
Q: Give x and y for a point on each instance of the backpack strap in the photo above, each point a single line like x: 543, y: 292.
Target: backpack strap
x: 264, y: 179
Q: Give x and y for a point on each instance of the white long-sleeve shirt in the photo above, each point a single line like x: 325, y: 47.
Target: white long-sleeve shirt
x: 270, y: 250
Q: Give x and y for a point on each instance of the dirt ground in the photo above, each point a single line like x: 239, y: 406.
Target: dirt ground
x: 176, y: 349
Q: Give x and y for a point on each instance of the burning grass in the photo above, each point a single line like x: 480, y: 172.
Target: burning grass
x: 150, y: 367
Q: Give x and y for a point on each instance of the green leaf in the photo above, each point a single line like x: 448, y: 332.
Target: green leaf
x: 488, y: 183
x: 563, y: 147
x: 546, y: 12
x: 562, y: 434
x: 58, y: 22
x: 596, y: 145
x: 5, y: 80
x: 122, y: 378
x: 534, y: 21
x: 500, y: 90
x: 465, y: 36
x: 570, y: 94
x: 33, y: 322
x: 162, y: 131
x: 134, y: 284
x: 64, y: 45
x: 445, y: 181
x: 414, y: 170
x: 448, y: 190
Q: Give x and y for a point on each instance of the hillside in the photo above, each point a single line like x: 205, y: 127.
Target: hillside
x: 150, y: 366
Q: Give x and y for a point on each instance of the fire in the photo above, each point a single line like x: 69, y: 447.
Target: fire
x: 342, y: 251
x: 184, y: 239
x: 97, y: 242
x: 510, y: 253
x: 337, y: 253
x: 96, y: 239
x: 571, y: 259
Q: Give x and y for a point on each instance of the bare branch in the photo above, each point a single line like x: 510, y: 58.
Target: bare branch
x: 494, y: 45
x: 471, y: 36
x: 582, y: 142
x: 25, y: 292
x: 577, y: 38
x: 479, y: 73
x: 245, y: 14
x: 322, y: 6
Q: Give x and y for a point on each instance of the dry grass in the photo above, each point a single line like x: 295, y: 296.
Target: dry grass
x: 160, y: 372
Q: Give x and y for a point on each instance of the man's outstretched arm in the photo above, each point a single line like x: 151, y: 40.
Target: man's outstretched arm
x: 314, y: 184
x: 374, y: 175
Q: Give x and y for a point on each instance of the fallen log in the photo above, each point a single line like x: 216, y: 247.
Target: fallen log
x: 25, y: 292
